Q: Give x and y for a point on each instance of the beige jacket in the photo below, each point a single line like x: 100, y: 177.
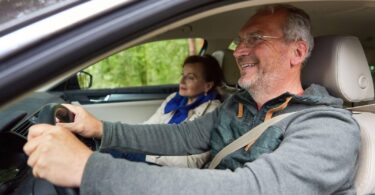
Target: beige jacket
x: 191, y: 161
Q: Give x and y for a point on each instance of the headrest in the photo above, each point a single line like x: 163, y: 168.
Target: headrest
x: 339, y: 63
x: 228, y: 66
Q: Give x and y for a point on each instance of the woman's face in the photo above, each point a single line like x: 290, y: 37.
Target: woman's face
x: 192, y: 82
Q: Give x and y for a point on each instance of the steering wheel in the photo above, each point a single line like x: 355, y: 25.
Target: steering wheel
x: 47, y: 114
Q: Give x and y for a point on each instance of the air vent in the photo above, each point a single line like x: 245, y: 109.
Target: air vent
x: 23, y: 128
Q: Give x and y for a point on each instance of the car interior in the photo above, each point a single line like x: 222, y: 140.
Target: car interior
x: 342, y: 58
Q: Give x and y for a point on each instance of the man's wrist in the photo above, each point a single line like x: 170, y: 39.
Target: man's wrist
x: 100, y: 127
x: 86, y: 157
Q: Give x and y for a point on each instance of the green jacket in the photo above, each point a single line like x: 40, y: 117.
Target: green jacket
x: 232, y: 127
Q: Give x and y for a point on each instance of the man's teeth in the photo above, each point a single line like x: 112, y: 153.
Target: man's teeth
x: 247, y: 65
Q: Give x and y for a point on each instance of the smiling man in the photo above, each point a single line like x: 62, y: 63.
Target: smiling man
x: 270, y: 59
x: 312, y: 152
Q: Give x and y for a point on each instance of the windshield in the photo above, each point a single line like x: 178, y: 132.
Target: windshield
x: 15, y: 12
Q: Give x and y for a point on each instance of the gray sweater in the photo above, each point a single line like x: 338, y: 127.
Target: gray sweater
x: 316, y: 152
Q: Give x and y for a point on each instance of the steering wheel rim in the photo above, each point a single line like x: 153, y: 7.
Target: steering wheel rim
x: 47, y: 114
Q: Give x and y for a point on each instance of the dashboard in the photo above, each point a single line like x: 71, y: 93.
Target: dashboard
x: 15, y: 120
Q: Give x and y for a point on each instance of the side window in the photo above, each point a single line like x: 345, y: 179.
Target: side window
x: 154, y: 63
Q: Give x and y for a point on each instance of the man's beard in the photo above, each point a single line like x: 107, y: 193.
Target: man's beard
x: 247, y: 84
x: 251, y: 83
x: 260, y: 83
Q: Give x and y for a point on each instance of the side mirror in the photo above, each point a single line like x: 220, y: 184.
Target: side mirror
x: 84, y: 79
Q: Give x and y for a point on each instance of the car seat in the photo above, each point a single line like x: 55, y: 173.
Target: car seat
x: 230, y: 71
x: 339, y: 63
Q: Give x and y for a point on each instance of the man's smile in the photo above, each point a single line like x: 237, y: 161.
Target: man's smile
x: 247, y: 62
x: 248, y: 65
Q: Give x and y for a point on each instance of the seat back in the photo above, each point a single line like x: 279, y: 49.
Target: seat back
x: 230, y: 71
x: 339, y: 64
x: 365, y: 177
x: 228, y: 65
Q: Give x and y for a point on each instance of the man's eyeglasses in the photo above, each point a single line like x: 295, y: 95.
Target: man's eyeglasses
x: 252, y: 40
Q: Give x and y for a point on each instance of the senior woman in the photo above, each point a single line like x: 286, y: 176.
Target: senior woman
x: 197, y: 95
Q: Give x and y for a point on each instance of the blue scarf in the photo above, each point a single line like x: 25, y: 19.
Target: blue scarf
x: 178, y: 104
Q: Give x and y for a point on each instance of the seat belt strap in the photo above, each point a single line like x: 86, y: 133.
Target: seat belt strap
x: 270, y: 113
x: 248, y: 138
x: 364, y: 108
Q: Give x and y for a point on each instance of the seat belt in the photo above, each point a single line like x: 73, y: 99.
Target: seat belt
x: 246, y: 139
x: 364, y: 108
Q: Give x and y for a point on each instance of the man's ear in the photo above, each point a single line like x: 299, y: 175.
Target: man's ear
x: 299, y: 53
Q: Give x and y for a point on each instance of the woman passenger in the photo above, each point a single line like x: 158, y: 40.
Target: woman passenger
x: 197, y: 95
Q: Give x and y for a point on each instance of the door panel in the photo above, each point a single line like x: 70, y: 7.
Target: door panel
x: 127, y: 112
x: 129, y: 105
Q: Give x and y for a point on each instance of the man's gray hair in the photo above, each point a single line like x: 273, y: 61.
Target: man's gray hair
x: 298, y: 25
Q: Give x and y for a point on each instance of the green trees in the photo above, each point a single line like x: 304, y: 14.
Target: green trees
x: 153, y: 63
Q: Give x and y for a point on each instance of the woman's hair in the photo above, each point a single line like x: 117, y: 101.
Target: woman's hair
x: 211, y: 68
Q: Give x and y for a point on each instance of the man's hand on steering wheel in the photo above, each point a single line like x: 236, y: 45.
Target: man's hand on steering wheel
x: 55, y: 154
x: 84, y: 123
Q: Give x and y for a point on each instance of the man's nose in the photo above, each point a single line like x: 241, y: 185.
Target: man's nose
x: 241, y: 50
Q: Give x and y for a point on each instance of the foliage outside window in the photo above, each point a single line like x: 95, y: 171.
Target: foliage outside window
x: 155, y: 63
x: 232, y: 46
